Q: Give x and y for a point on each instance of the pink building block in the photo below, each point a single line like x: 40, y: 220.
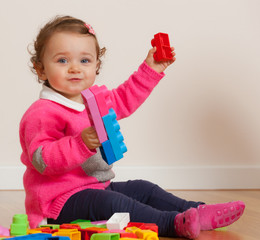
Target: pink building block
x: 4, y: 231
x: 103, y: 99
x: 115, y: 231
x: 99, y: 222
x: 90, y: 102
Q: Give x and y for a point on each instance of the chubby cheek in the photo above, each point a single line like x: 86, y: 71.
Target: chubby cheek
x: 91, y: 75
x: 56, y: 75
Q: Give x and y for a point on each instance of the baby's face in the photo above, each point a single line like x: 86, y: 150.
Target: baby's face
x: 70, y: 63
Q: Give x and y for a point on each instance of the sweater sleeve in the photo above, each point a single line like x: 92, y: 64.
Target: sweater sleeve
x: 47, y: 145
x: 128, y: 96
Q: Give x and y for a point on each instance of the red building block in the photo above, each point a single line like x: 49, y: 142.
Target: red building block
x: 163, y: 48
x: 144, y: 226
x: 86, y: 233
x: 127, y: 235
x: 51, y: 231
x: 69, y: 226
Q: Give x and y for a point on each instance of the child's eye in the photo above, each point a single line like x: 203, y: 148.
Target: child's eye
x: 62, y: 60
x: 84, y: 60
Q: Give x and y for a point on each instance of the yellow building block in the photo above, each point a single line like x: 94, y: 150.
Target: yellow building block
x: 73, y: 234
x: 128, y: 238
x: 146, y: 234
x: 34, y: 230
x: 132, y: 229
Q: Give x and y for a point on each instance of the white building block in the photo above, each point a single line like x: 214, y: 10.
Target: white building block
x: 118, y: 221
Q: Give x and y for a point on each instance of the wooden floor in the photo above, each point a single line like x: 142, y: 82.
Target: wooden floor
x: 247, y: 228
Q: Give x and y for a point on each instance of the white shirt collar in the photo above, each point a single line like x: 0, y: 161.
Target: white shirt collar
x: 50, y: 94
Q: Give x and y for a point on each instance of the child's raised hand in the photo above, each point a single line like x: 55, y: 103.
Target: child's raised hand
x: 158, y: 66
x: 90, y: 138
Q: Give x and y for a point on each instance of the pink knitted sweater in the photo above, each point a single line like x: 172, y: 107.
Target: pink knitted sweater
x: 58, y: 162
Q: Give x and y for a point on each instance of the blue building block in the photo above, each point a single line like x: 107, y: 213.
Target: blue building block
x: 57, y: 238
x: 107, y: 152
x: 114, y: 135
x: 35, y: 236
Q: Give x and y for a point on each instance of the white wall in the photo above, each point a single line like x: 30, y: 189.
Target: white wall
x: 201, y: 126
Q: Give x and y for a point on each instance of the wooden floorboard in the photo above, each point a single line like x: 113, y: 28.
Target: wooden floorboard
x: 247, y: 228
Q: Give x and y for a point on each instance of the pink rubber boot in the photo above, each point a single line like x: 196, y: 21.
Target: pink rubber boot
x: 187, y: 224
x: 219, y: 215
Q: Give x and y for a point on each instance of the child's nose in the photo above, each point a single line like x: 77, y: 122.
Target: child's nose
x: 74, y: 68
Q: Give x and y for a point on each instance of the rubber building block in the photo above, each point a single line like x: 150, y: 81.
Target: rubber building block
x: 51, y: 231
x: 107, y: 152
x: 102, y: 222
x: 87, y: 223
x: 127, y: 235
x: 4, y: 231
x: 114, y: 135
x: 73, y: 234
x: 86, y: 233
x: 143, y: 226
x: 70, y: 226
x: 118, y: 220
x: 19, y: 225
x: 102, y: 98
x: 105, y: 236
x: 90, y: 102
x: 41, y: 230
x: 146, y: 234
x: 57, y: 238
x: 163, y: 48
x: 79, y: 221
x: 51, y: 226
x: 36, y: 236
x: 115, y: 231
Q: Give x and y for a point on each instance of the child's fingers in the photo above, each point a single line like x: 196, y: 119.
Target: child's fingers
x: 153, y: 49
x: 90, y: 130
x: 90, y: 138
x: 151, y: 52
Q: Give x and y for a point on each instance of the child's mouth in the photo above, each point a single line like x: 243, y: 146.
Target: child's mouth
x: 74, y: 79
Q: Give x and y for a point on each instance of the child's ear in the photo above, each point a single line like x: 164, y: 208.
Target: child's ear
x: 40, y: 71
x: 98, y: 66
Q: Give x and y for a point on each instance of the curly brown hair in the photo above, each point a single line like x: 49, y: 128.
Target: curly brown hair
x: 60, y: 24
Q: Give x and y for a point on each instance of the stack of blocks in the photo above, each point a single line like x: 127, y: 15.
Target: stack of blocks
x: 20, y: 225
x: 117, y: 227
x: 99, y: 105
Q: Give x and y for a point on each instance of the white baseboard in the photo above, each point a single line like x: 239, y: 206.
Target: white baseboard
x: 199, y: 177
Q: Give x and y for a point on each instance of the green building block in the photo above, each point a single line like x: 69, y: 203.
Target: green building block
x: 79, y: 221
x: 100, y: 225
x: 51, y: 226
x: 20, y: 225
x: 85, y: 224
x: 223, y: 229
x: 105, y: 236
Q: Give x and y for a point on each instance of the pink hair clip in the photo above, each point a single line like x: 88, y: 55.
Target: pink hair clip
x: 90, y: 29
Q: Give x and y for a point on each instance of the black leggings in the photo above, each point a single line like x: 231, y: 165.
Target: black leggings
x: 145, y: 202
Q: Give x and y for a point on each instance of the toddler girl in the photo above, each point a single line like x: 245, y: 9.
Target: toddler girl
x: 66, y: 178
